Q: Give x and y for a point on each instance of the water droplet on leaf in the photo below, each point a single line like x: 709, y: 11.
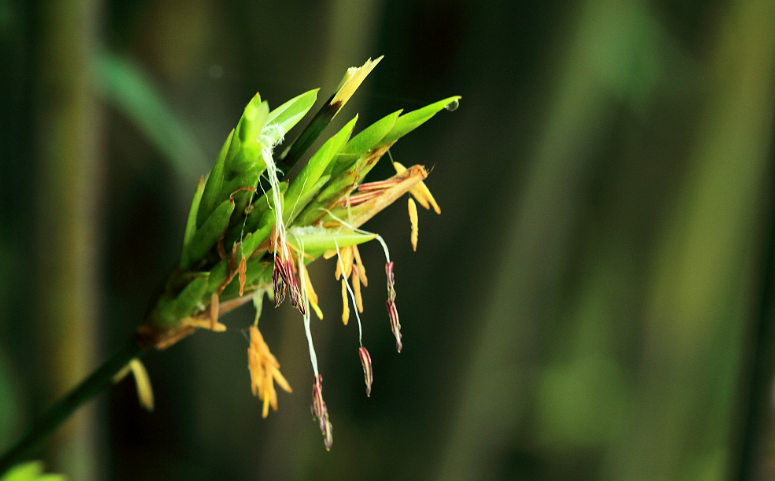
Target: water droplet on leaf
x: 452, y: 106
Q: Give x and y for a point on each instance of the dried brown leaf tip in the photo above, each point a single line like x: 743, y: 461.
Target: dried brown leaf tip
x: 264, y: 371
x: 351, y: 81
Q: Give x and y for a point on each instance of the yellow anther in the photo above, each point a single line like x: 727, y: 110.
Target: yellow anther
x: 361, y: 268
x: 357, y: 289
x: 420, y: 192
x: 413, y: 220
x: 311, y: 295
x: 345, y: 303
x: 264, y: 371
x: 142, y: 382
x: 346, y: 257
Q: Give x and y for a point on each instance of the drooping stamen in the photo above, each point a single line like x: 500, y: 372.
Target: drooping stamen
x: 361, y: 268
x: 345, y: 303
x: 420, y: 191
x: 368, y: 374
x: 352, y: 296
x: 320, y: 411
x: 284, y: 279
x: 306, y: 315
x: 357, y: 288
x: 395, y: 326
x: 346, y: 257
x: 264, y: 371
x: 413, y: 220
x: 293, y: 287
x: 283, y: 276
x: 312, y: 296
x: 278, y: 280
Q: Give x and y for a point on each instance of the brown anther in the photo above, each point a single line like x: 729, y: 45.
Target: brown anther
x: 368, y: 373
x: 242, y: 269
x: 214, y: 305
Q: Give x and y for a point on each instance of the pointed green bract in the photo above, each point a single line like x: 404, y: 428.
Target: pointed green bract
x: 307, y: 180
x: 206, y: 236
x: 291, y: 211
x: 411, y: 120
x: 260, y: 206
x: 316, y: 241
x: 249, y: 133
x: 360, y: 145
x: 253, y: 119
x: 285, y: 117
x: 214, y: 182
x: 169, y: 312
x: 371, y: 135
x: 191, y: 221
x: 251, y: 243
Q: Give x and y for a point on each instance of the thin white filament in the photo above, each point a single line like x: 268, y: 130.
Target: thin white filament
x: 305, y: 299
x: 364, y: 232
x: 271, y: 173
x: 352, y: 296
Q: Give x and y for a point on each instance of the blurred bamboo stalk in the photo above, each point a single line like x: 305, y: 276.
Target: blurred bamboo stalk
x: 67, y: 198
x: 698, y: 298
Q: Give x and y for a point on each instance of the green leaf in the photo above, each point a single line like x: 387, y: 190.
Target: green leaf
x: 293, y: 210
x: 316, y: 241
x: 210, y: 198
x: 31, y: 471
x: 191, y: 221
x: 253, y: 119
x: 260, y: 206
x: 410, y: 121
x: 371, y: 135
x: 188, y: 301
x: 206, y: 236
x: 248, y: 131
x: 285, y: 117
x: 306, y: 183
x: 131, y: 91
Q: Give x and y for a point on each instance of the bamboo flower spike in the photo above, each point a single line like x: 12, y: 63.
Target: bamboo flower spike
x: 251, y: 232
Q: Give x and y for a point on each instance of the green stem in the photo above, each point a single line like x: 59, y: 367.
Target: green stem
x: 91, y: 386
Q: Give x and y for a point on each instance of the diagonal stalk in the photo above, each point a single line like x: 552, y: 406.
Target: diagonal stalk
x: 59, y: 412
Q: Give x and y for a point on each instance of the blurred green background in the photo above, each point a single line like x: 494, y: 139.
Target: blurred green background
x: 588, y: 306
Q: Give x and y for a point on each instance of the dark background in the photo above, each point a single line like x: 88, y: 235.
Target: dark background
x: 584, y: 308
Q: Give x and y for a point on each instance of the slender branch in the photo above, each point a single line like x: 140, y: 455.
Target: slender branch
x: 91, y: 386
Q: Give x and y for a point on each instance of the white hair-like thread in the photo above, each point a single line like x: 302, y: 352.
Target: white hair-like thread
x: 305, y: 299
x: 352, y: 296
x: 361, y: 231
x: 268, y: 132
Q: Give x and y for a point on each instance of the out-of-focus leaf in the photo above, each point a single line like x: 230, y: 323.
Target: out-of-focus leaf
x: 31, y: 471
x: 124, y: 85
